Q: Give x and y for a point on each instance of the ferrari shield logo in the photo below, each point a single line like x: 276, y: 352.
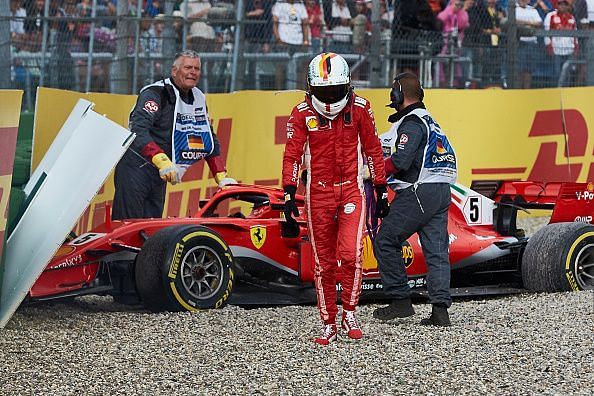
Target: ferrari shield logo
x: 258, y: 235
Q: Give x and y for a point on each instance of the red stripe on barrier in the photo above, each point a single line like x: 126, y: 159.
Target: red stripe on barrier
x: 8, y: 137
x: 490, y: 171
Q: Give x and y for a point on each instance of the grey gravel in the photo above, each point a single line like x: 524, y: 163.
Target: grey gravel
x: 523, y: 344
x: 517, y: 345
x: 532, y: 224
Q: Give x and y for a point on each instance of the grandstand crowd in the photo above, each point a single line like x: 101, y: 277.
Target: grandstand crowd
x: 473, y: 33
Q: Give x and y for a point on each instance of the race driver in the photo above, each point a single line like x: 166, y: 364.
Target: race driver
x: 337, y: 129
x: 173, y: 131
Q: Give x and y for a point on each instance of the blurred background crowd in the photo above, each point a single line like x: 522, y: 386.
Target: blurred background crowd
x: 121, y: 45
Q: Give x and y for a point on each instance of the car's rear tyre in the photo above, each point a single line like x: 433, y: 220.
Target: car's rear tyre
x: 184, y: 268
x: 560, y: 257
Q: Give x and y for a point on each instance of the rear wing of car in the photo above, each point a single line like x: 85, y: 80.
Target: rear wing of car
x: 568, y: 201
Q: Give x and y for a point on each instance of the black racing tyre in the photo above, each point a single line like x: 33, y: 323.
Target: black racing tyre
x: 184, y: 268
x: 560, y: 257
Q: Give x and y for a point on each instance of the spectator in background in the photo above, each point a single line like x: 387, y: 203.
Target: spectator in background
x: 258, y: 27
x: 414, y: 25
x: 474, y: 40
x: 386, y: 15
x: 258, y: 34
x: 34, y: 24
x: 560, y: 49
x: 153, y: 8
x: 542, y: 6
x: 107, y: 8
x: 482, y: 37
x: 493, y: 55
x: 386, y: 18
x: 147, y: 40
x: 454, y: 21
x: 527, y: 17
x: 17, y: 26
x: 437, y: 6
x: 580, y: 12
x: 17, y: 35
x: 201, y: 36
x: 361, y: 26
x: 60, y: 64
x: 291, y: 33
x: 340, y: 27
x: 317, y: 24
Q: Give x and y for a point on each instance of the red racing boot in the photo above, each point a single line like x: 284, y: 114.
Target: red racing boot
x: 329, y: 335
x: 350, y: 325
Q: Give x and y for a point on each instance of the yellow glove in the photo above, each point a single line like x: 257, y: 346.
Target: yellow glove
x: 222, y: 179
x: 167, y: 170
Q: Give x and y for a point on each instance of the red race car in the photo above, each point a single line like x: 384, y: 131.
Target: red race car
x: 238, y: 249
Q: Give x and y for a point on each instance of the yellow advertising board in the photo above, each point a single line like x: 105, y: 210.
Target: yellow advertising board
x: 497, y: 134
x: 10, y: 109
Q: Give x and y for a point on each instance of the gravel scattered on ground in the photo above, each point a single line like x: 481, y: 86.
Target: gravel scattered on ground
x: 522, y: 344
x: 532, y: 224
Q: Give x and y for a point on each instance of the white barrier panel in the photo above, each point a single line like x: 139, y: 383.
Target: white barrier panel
x: 55, y: 150
x: 63, y: 186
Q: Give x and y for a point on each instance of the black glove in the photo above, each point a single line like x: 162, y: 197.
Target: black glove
x: 290, y: 204
x: 382, y: 208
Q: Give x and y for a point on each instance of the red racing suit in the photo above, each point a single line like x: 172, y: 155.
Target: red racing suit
x: 334, y: 194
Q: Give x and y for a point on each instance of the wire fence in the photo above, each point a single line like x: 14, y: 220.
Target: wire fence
x: 120, y: 46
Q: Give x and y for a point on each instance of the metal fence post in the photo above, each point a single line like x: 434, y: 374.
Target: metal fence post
x: 590, y: 59
x: 120, y: 68
x: 4, y: 45
x: 237, y: 47
x: 137, y: 47
x: 291, y: 78
x: 169, y: 44
x: 374, y: 47
x: 44, y: 43
x: 91, y: 46
x: 512, y: 45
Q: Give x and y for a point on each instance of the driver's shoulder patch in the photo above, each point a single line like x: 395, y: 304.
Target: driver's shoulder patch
x: 361, y: 102
x: 302, y: 106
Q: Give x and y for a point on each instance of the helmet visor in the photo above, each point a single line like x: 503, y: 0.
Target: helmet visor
x: 330, y: 93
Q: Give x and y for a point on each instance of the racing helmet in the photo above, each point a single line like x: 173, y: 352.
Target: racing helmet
x: 328, y: 78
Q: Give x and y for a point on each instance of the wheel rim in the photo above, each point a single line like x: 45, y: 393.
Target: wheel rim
x: 201, y: 272
x: 584, y: 267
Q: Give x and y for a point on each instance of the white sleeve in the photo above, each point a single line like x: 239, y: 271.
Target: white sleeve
x: 547, y: 26
x: 303, y: 12
x: 536, y: 16
x: 547, y: 20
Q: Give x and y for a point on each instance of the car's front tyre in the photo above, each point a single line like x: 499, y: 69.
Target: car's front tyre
x: 184, y: 268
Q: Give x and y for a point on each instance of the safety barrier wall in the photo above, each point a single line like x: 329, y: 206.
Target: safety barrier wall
x: 10, y: 107
x: 498, y: 134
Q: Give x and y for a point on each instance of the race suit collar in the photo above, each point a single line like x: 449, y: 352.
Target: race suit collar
x: 404, y: 112
x: 336, y: 108
x: 189, y: 98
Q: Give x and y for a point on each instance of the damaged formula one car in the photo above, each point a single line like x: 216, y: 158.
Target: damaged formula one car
x: 237, y: 249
